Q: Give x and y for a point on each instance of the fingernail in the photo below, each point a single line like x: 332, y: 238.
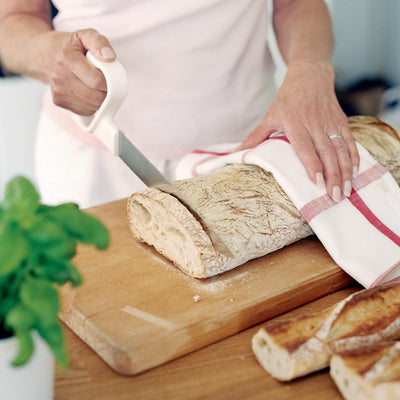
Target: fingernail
x: 355, y: 171
x: 347, y: 188
x: 336, y: 194
x: 320, y: 180
x: 107, y: 52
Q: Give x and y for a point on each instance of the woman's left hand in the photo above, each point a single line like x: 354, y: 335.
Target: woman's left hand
x: 307, y: 111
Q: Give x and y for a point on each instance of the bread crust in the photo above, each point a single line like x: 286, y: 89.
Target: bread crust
x: 369, y: 372
x: 248, y: 208
x: 381, y: 139
x: 306, y: 344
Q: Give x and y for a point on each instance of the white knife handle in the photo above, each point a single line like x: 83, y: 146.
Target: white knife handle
x: 101, y: 123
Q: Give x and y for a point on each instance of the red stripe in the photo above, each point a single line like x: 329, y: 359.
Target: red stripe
x: 369, y: 175
x: 320, y: 204
x: 397, y: 279
x: 212, y: 155
x: 387, y: 272
x: 225, y: 153
x: 215, y: 153
x: 284, y: 138
x: 359, y: 203
x: 245, y: 154
x: 315, y: 207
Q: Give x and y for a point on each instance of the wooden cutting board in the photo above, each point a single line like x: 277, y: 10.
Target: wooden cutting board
x: 137, y: 311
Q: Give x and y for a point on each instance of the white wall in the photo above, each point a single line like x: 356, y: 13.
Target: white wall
x: 391, y: 43
x: 367, y: 39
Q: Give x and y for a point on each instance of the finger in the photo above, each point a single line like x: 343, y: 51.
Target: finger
x: 69, y: 103
x: 345, y: 166
x: 305, y: 150
x: 87, y: 73
x: 257, y: 136
x: 72, y: 60
x: 327, y: 154
x: 100, y: 47
x: 80, y: 110
x: 97, y: 44
x: 67, y: 89
x: 90, y: 97
x: 352, y: 148
x: 77, y: 97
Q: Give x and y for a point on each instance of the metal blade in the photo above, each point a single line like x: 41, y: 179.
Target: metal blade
x: 138, y: 163
x: 152, y: 177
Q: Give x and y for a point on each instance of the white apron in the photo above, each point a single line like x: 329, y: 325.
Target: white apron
x: 199, y: 72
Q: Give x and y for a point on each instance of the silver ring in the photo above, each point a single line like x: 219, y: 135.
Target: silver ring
x: 335, y: 135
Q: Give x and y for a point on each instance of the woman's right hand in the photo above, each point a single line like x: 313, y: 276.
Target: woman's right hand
x: 76, y: 84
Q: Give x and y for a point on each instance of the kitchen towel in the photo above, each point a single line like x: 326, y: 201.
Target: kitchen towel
x: 361, y: 232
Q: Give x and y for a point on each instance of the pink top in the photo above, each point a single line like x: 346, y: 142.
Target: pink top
x: 199, y: 71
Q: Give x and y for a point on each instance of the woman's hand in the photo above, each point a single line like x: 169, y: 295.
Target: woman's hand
x: 307, y: 111
x: 29, y: 46
x: 75, y: 83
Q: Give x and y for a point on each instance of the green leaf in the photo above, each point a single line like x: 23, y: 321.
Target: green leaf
x: 6, y: 304
x: 74, y: 275
x: 40, y: 297
x: 45, y: 231
x: 59, y: 272
x: 14, y: 247
x: 60, y: 250
x: 20, y: 318
x: 53, y: 335
x: 25, y: 349
x: 82, y: 226
x: 52, y: 271
x: 20, y: 198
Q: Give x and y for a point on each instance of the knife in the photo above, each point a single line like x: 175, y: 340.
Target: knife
x: 102, y: 125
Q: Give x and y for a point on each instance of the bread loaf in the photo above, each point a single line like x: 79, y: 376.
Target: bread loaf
x: 380, y: 139
x: 296, y: 347
x: 368, y: 373
x: 247, y: 207
x: 249, y: 210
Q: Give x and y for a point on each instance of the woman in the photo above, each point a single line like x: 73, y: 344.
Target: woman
x: 200, y: 72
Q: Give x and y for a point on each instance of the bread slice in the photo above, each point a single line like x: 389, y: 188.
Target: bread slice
x: 246, y: 206
x: 292, y: 348
x: 369, y: 372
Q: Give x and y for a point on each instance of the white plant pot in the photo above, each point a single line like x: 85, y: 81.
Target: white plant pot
x: 32, y: 381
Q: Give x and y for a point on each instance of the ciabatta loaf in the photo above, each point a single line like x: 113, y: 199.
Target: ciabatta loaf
x: 247, y: 207
x: 380, y: 139
x: 296, y: 347
x: 249, y: 210
x: 368, y: 373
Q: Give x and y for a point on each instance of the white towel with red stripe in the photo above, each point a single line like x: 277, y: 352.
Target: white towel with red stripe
x: 361, y: 232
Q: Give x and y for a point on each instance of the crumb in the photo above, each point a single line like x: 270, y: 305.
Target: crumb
x: 197, y: 298
x: 242, y: 357
x: 272, y: 262
x: 231, y: 300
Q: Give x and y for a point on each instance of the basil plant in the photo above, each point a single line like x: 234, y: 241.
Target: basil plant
x: 37, y: 243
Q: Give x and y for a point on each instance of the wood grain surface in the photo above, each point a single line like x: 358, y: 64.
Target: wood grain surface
x: 137, y: 311
x: 224, y: 370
